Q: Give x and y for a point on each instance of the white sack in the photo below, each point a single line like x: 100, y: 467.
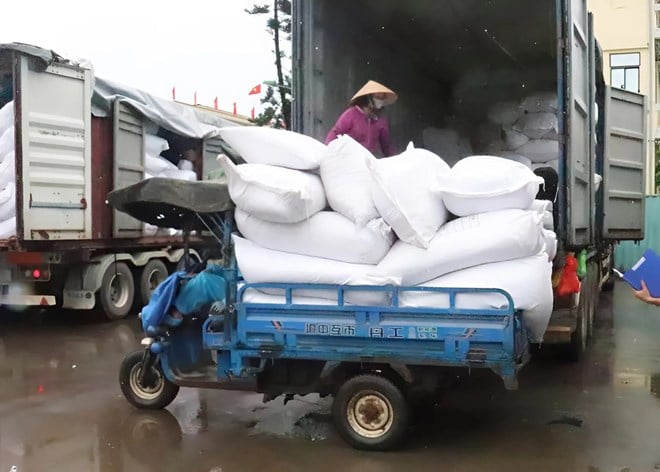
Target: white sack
x: 8, y: 202
x: 512, y: 156
x: 327, y: 234
x: 540, y: 150
x: 514, y: 138
x: 8, y: 228
x: 261, y: 265
x: 7, y: 143
x: 6, y: 117
x: 550, y: 244
x: 505, y: 114
x: 154, y: 145
x: 548, y: 220
x: 274, y: 147
x: 540, y: 102
x: 598, y: 179
x: 272, y: 193
x: 527, y: 280
x: 467, y: 242
x: 538, y: 126
x: 542, y: 205
x: 402, y: 191
x: 150, y: 230
x: 481, y: 184
x: 554, y: 164
x: 8, y: 170
x: 185, y: 164
x: 347, y: 180
x: 179, y: 174
x: 156, y: 165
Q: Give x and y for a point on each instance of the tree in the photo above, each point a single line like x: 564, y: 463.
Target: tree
x: 278, y: 93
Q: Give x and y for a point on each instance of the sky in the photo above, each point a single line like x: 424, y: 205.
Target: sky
x: 212, y: 47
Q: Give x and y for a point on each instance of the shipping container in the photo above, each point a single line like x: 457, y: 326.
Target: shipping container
x: 449, y: 62
x: 78, y: 137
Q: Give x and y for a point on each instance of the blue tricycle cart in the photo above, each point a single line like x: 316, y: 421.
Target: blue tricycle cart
x: 374, y: 360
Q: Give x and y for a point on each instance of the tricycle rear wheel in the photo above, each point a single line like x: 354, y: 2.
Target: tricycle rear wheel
x: 157, y: 396
x: 371, y: 413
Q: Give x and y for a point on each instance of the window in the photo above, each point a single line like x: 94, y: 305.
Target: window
x: 624, y: 71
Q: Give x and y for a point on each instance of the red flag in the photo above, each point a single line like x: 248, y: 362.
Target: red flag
x: 215, y: 103
x: 195, y: 97
x: 235, y: 112
x: 253, y: 113
x: 174, y: 93
x: 256, y: 90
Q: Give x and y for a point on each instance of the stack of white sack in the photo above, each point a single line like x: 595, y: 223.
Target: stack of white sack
x: 530, y: 130
x: 500, y: 230
x: 7, y: 172
x: 545, y: 209
x: 281, y: 211
x: 157, y: 166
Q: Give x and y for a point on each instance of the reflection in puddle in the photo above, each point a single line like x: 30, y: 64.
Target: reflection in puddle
x: 643, y: 381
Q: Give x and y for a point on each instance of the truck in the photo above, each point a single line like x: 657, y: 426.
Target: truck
x: 452, y: 60
x: 78, y: 137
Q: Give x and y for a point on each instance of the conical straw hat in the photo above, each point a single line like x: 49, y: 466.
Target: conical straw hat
x: 374, y: 87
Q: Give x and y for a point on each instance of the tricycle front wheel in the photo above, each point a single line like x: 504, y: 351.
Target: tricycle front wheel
x: 157, y: 395
x: 371, y: 413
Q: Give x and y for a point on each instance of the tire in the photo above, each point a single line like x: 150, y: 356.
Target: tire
x: 117, y: 292
x: 156, y: 398
x: 578, y: 346
x: 151, y: 277
x: 349, y: 412
x: 608, y: 286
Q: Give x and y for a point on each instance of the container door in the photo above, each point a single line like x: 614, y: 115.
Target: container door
x: 54, y: 159
x: 212, y: 147
x: 128, y: 166
x: 625, y: 165
x: 577, y: 123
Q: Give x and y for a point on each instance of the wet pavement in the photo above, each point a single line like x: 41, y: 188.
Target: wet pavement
x: 61, y: 410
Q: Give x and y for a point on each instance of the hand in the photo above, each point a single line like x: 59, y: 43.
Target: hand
x: 645, y: 296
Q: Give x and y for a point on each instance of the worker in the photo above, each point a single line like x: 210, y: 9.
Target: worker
x: 645, y: 296
x: 363, y: 120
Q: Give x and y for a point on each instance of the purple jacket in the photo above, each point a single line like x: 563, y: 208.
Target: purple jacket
x: 372, y: 133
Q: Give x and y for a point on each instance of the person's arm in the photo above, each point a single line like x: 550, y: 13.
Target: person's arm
x: 645, y: 296
x: 343, y: 126
x: 386, y: 142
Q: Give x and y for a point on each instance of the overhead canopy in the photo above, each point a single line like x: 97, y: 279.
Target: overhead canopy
x: 175, y: 117
x: 169, y: 203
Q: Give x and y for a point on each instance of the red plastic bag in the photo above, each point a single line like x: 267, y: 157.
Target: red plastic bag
x: 570, y: 282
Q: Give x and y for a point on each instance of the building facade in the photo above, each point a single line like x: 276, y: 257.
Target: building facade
x: 628, y: 31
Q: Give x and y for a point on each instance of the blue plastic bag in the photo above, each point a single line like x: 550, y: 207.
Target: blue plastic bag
x: 205, y: 288
x: 161, y: 301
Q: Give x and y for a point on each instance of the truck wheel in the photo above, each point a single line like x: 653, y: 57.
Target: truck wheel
x: 371, y: 413
x: 578, y: 345
x: 153, y: 397
x: 608, y: 286
x: 151, y: 277
x: 117, y: 291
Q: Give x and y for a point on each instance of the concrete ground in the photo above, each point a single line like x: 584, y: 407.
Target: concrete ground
x: 61, y: 410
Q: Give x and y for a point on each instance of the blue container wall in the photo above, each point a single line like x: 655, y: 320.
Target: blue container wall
x: 629, y: 252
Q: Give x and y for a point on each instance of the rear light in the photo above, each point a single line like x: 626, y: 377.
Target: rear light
x: 36, y: 273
